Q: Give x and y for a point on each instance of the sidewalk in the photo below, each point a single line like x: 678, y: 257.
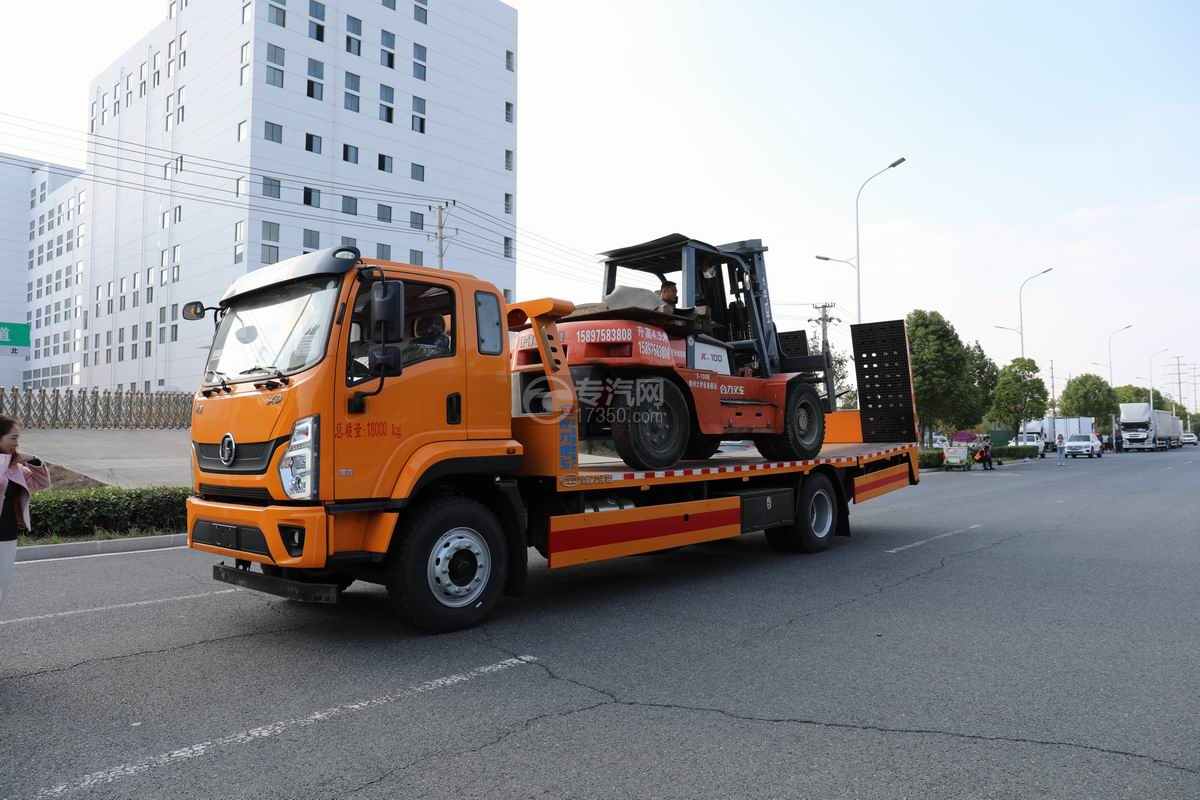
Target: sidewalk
x: 119, y: 457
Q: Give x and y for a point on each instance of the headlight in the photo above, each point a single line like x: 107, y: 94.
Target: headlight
x: 298, y: 468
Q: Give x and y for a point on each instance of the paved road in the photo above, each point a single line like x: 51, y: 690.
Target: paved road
x: 124, y: 458
x: 1049, y: 652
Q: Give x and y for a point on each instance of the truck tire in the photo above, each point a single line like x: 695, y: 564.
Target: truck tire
x: 652, y: 435
x: 701, y: 447
x: 816, y: 522
x: 803, y: 427
x: 448, y: 571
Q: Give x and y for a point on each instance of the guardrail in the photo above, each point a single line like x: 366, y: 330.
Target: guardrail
x: 96, y: 408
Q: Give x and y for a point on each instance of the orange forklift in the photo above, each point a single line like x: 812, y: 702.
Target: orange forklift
x: 362, y: 420
x: 668, y: 377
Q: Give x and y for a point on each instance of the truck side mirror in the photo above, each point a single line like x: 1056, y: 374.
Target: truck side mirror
x: 193, y: 311
x: 387, y: 311
x: 385, y: 360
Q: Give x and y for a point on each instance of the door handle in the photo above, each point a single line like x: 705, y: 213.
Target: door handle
x: 454, y: 409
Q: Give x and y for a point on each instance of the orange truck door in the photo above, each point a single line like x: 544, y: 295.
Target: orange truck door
x: 423, y: 405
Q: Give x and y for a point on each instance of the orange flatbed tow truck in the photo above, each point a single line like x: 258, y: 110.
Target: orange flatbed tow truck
x: 365, y: 420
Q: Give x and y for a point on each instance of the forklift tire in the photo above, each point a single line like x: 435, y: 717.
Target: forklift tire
x: 803, y: 427
x: 816, y: 522
x: 448, y: 571
x: 701, y: 447
x: 650, y: 435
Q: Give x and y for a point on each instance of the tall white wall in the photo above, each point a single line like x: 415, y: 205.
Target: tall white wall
x: 137, y: 273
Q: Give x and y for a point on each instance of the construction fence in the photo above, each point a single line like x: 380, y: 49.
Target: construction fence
x: 96, y: 408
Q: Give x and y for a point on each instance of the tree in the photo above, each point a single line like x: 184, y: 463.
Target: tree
x: 1137, y: 394
x: 1089, y: 395
x: 1020, y: 394
x: 939, y: 367
x: 975, y: 398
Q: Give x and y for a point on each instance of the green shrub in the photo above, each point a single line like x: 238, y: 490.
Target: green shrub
x: 931, y: 459
x: 74, y: 513
x: 1024, y: 451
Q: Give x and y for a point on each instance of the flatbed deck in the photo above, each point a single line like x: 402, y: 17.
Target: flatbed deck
x: 613, y: 473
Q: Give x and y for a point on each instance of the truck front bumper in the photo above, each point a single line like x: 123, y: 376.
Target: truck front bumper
x: 286, y: 536
x: 281, y: 587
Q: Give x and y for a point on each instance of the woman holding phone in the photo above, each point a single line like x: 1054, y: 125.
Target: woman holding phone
x: 20, y: 476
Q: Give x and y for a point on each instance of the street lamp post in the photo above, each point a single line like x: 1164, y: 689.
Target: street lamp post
x: 1156, y: 355
x: 857, y: 232
x: 1021, y: 306
x: 1110, y: 381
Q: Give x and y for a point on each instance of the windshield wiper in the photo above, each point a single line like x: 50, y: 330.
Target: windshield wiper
x: 222, y: 383
x: 275, y: 372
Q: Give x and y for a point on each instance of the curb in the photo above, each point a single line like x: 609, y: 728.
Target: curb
x: 42, y: 552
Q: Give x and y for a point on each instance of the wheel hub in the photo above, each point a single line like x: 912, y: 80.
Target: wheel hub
x: 820, y: 515
x: 460, y: 565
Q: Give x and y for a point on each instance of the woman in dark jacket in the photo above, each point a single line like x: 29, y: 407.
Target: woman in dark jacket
x: 20, y: 476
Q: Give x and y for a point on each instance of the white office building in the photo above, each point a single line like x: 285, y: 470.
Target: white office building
x: 241, y: 132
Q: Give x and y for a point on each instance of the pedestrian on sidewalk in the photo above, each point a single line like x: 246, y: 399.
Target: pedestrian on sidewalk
x: 20, y: 476
x: 1060, y: 450
x: 986, y: 452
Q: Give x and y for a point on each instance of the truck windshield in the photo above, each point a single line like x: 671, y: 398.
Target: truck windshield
x: 281, y: 329
x: 1135, y: 426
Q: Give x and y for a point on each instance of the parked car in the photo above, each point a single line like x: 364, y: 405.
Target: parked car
x: 1031, y: 440
x: 1084, y: 444
x: 1189, y: 438
x: 940, y: 441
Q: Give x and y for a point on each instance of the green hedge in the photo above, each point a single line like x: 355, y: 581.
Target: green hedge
x: 81, y: 512
x: 931, y: 459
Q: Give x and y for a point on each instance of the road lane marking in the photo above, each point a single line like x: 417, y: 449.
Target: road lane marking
x: 252, y: 735
x: 98, y: 609
x: 102, y: 555
x: 932, y: 539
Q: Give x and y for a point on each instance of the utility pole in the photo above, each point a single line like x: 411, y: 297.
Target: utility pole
x: 441, y: 210
x: 1053, y: 408
x: 825, y: 321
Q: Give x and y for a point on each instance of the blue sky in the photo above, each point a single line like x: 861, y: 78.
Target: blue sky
x: 1037, y: 134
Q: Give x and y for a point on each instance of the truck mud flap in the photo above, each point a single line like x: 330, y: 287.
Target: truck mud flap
x: 281, y: 587
x: 880, y: 482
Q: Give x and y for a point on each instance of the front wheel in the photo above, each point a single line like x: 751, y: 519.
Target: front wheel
x: 448, y: 571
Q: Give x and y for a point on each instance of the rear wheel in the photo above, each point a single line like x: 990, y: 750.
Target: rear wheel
x: 448, y: 572
x: 803, y: 427
x: 817, y: 511
x: 652, y: 432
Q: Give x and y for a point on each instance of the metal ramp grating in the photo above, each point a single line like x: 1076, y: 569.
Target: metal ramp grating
x: 885, y: 396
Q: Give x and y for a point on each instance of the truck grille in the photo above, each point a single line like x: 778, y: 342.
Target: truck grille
x: 233, y: 537
x: 251, y: 458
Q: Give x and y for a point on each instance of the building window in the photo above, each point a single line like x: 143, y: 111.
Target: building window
x: 352, y: 87
x: 316, y: 26
x: 312, y: 239
x: 276, y: 16
x: 510, y: 61
x: 247, y: 12
x: 239, y: 186
x: 353, y: 32
x: 270, y: 253
x: 508, y: 203
x: 418, y: 117
x: 416, y: 258
x: 385, y: 163
x: 312, y: 143
x: 239, y: 253
x: 421, y: 14
x: 387, y: 99
x: 416, y: 220
x: 383, y: 251
x: 418, y: 123
x: 273, y: 132
x: 275, y: 55
x: 508, y: 160
x: 312, y: 197
x: 508, y: 112
x: 270, y: 231
x: 241, y: 131
x: 417, y: 172
x: 383, y: 213
x: 270, y: 187
x: 419, y: 71
x: 508, y: 247
x: 387, y: 49
x: 349, y: 204
x: 350, y: 153
x: 316, y: 76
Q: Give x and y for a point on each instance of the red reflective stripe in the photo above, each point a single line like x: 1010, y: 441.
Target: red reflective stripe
x: 869, y: 485
x: 562, y: 541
